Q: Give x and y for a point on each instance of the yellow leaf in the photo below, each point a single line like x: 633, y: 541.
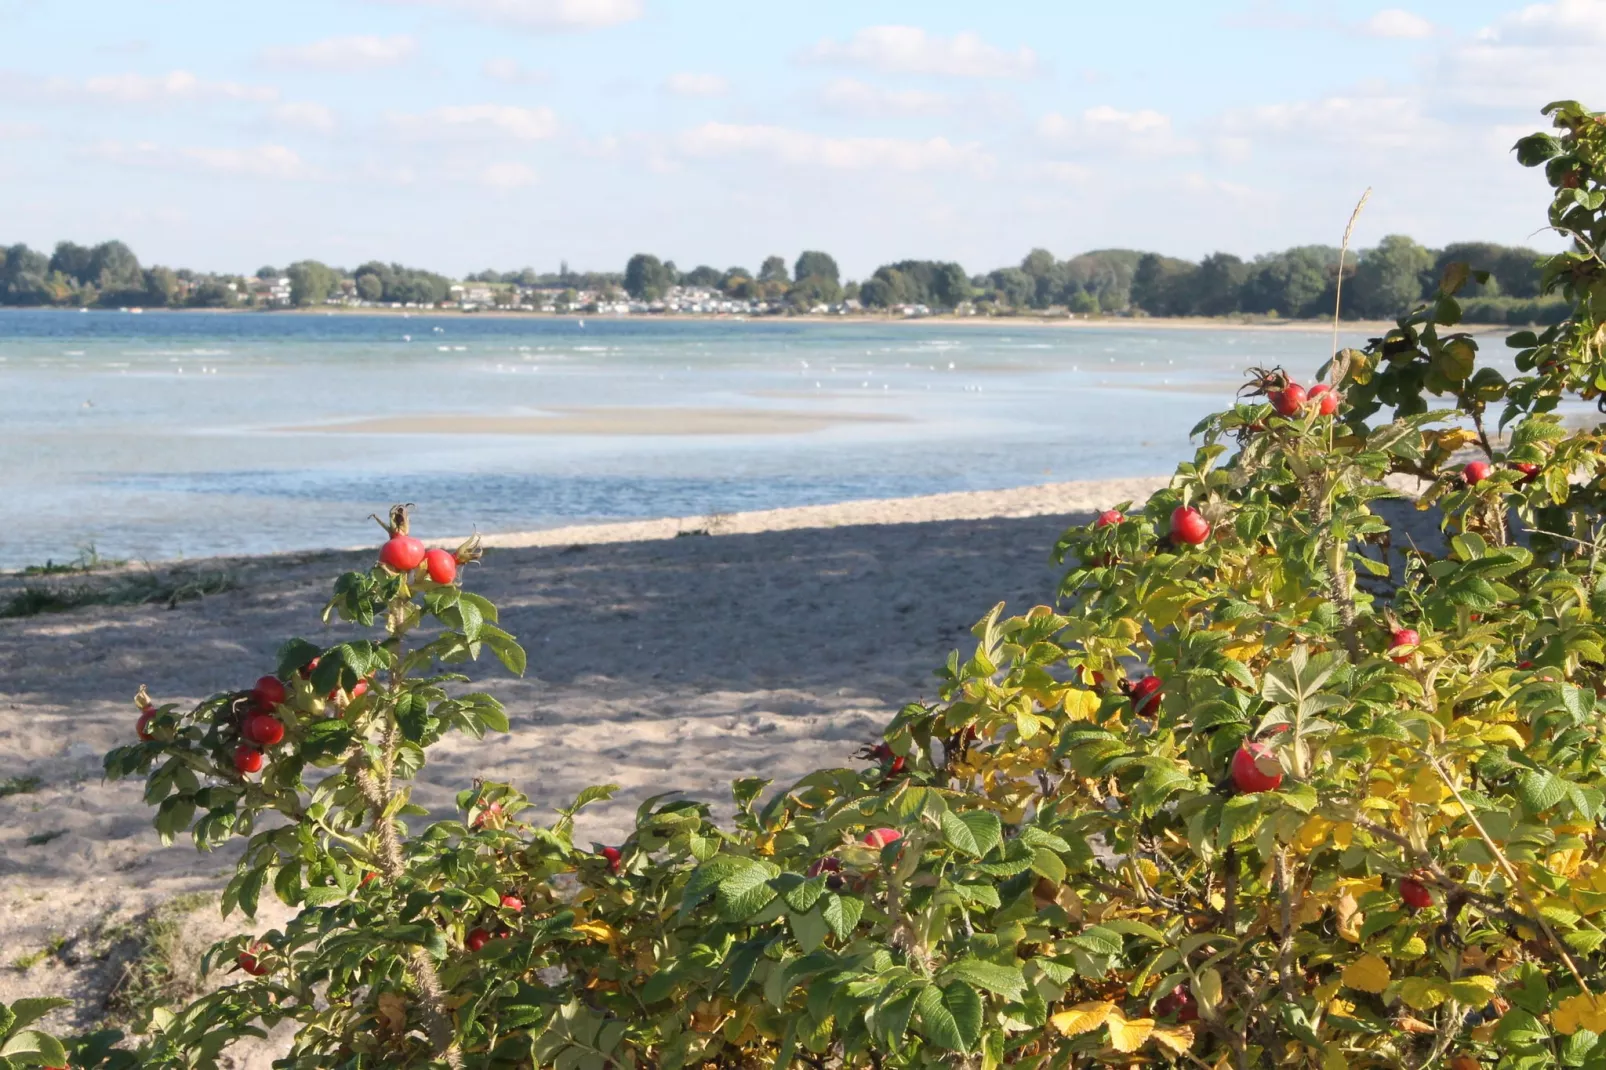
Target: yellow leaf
x: 1082, y: 1018
x: 1174, y: 1039
x: 1414, y: 1025
x: 1367, y: 974
x: 1333, y: 1058
x: 600, y: 931
x: 1243, y: 650
x: 1475, y: 989
x: 1349, y: 918
x: 1313, y: 833
x: 1580, y: 1012
x: 1413, y: 948
x: 1426, y: 788
x: 1080, y: 705
x: 1129, y: 1036
x: 1421, y: 993
x: 1502, y: 733
x: 1343, y: 834
x: 393, y: 1009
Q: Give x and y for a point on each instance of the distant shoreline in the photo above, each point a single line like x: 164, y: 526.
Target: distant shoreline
x: 1123, y: 323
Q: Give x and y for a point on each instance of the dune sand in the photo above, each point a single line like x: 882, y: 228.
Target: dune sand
x: 777, y: 645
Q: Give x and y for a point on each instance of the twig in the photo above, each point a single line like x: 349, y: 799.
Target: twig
x: 1343, y: 257
x: 1511, y: 874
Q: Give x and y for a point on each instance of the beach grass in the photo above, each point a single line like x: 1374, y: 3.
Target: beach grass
x: 32, y: 600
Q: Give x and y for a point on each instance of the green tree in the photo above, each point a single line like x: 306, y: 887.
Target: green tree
x: 369, y: 286
x: 773, y: 270
x: 212, y: 293
x: 24, y: 278
x: 161, y: 287
x: 73, y: 260
x: 1160, y: 284
x: 1389, y: 280
x: 646, y: 277
x: 1013, y: 287
x: 311, y: 282
x: 704, y: 276
x: 812, y: 264
x: 1214, y: 290
x: 1038, y: 263
x: 115, y: 270
x: 1290, y: 283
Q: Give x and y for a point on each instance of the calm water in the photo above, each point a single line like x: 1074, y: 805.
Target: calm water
x: 167, y: 434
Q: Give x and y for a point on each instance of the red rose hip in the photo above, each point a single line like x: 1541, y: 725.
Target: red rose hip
x: 1415, y: 894
x: 513, y: 903
x: 247, y: 759
x: 1289, y: 400
x: 1325, y: 397
x: 269, y: 692
x: 1255, y: 768
x: 879, y: 838
x: 248, y: 962
x: 142, y: 727
x: 1108, y: 517
x: 1529, y: 471
x: 1145, y: 695
x: 402, y: 553
x: 476, y: 939
x: 1189, y: 525
x: 1404, y: 637
x: 442, y: 565
x: 1475, y: 472
x: 263, y: 729
x: 613, y: 856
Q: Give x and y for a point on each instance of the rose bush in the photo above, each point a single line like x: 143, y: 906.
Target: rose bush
x: 1264, y: 787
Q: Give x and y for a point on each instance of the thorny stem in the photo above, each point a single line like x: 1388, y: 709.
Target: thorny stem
x: 1340, y: 581
x: 376, y: 791
x: 1511, y: 874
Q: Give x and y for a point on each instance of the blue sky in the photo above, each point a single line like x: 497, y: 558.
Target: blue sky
x: 463, y: 134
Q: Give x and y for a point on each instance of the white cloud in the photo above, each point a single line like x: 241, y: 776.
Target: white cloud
x: 1397, y: 24
x: 471, y: 120
x: 511, y: 71
x: 854, y: 97
x: 540, y: 15
x: 1382, y: 123
x: 1144, y: 132
x: 508, y: 176
x: 147, y: 89
x: 910, y: 50
x: 802, y: 148
x: 357, y: 53
x: 1064, y: 171
x: 1540, y: 53
x: 1565, y: 22
x: 258, y: 161
x: 18, y: 131
x: 304, y: 115
x: 689, y: 84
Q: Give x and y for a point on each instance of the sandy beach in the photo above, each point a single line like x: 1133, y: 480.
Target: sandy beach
x: 777, y: 643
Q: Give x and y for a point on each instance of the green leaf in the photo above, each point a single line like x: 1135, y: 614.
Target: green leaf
x: 412, y: 716
x: 809, y: 929
x: 25, y: 1012
x: 1239, y: 816
x: 1098, y: 940
x: 975, y: 832
x: 745, y: 893
x: 842, y: 913
x: 31, y: 1046
x: 1540, y: 791
x: 950, y: 1017
x: 1006, y: 981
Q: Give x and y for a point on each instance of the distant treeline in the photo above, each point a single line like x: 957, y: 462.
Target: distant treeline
x: 1379, y: 283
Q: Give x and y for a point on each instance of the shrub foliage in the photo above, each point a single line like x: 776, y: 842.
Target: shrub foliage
x: 1353, y: 817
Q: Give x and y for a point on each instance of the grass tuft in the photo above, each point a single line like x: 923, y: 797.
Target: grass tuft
x: 150, y: 589
x: 19, y: 785
x: 88, y: 560
x: 39, y: 839
x: 160, y: 968
x: 53, y: 945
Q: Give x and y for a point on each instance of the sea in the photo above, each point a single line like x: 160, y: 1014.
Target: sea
x: 170, y: 435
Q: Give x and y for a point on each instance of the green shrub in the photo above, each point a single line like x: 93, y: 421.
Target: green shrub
x: 1223, y: 803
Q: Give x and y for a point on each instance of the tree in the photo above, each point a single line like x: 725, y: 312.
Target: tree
x: 814, y: 290
x: 267, y: 271
x: 161, y: 287
x: 1215, y: 287
x: 773, y: 270
x: 1389, y: 280
x: 311, y: 282
x: 816, y: 265
x: 1038, y: 263
x: 703, y: 276
x: 1160, y: 283
x: 115, y: 271
x: 1290, y: 283
x: 212, y: 293
x: 24, y: 277
x: 1013, y: 287
x: 73, y: 260
x: 369, y: 286
x: 646, y: 278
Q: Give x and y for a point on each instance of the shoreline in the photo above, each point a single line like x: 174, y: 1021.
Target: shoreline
x: 1119, y: 323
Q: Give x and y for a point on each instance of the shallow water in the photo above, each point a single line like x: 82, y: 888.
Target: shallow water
x: 168, y: 434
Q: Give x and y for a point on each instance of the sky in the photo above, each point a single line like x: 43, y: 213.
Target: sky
x: 461, y: 135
